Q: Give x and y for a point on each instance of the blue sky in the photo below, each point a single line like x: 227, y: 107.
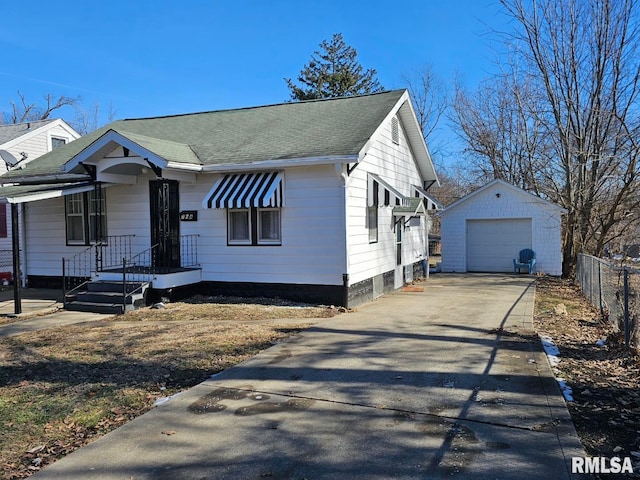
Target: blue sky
x: 158, y: 57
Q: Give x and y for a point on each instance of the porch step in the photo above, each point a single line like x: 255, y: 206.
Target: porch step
x: 106, y: 297
x: 95, y: 296
x: 77, y: 306
x: 112, y: 286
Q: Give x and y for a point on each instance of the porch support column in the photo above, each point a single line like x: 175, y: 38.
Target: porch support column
x: 15, y: 238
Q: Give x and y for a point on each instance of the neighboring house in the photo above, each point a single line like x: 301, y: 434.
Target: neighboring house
x: 322, y: 200
x: 20, y: 143
x: 485, y: 231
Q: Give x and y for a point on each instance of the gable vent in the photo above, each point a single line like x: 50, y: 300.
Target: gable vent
x: 395, y: 131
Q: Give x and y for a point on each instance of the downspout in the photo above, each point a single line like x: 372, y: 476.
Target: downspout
x: 342, y: 173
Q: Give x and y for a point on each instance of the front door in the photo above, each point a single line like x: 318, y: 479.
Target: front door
x: 165, y: 223
x: 399, y: 273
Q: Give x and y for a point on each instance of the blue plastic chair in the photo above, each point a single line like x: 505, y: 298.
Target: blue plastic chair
x: 526, y: 259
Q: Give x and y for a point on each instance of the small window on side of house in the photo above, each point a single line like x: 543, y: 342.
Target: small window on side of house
x: 57, y: 142
x: 372, y: 223
x: 395, y: 131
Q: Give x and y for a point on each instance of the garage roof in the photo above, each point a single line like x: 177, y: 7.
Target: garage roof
x: 505, y: 185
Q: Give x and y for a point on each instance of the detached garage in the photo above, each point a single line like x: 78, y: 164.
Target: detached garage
x: 485, y: 231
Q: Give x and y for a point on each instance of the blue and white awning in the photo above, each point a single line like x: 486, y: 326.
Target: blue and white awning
x: 380, y: 192
x: 245, y: 190
x: 431, y: 202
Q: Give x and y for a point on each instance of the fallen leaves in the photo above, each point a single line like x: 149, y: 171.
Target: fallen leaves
x: 64, y: 387
x: 603, y: 375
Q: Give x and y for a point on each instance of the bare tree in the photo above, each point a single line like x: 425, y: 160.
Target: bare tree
x: 429, y: 96
x: 573, y: 86
x: 503, y: 139
x: 25, y: 111
x: 88, y: 120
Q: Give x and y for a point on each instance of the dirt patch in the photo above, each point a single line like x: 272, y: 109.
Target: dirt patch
x: 603, y: 375
x: 64, y: 387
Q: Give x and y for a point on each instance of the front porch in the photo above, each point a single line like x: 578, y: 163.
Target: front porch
x: 108, y: 277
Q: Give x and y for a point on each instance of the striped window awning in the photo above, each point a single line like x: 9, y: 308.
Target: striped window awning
x: 431, y: 203
x: 245, y: 190
x: 380, y: 192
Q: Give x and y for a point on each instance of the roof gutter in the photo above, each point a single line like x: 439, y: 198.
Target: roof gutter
x: 281, y: 163
x: 189, y: 167
x: 43, y: 179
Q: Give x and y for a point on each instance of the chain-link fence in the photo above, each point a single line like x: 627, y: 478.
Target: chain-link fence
x: 615, y: 290
x: 6, y: 266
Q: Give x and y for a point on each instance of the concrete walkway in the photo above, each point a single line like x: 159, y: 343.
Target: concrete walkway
x: 41, y: 309
x: 445, y: 383
x: 34, y: 300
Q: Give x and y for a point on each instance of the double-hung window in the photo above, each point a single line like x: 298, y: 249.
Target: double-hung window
x: 254, y: 226
x: 269, y: 226
x: 239, y: 227
x: 85, y: 217
x: 372, y: 215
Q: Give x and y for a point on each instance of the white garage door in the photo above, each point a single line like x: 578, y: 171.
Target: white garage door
x: 493, y: 244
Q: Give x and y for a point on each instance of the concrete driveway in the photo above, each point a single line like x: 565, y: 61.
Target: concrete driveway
x: 448, y: 382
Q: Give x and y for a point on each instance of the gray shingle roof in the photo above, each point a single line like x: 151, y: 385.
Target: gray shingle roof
x: 316, y: 128
x: 12, y: 131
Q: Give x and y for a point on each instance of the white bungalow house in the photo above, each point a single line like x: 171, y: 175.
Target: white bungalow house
x: 321, y: 201
x: 21, y: 143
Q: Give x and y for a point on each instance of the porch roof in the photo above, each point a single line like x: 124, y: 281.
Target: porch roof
x: 31, y: 193
x: 415, y: 208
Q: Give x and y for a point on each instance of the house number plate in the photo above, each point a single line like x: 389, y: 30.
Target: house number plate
x: 189, y: 216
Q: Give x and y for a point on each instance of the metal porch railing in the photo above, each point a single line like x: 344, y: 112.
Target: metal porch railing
x: 138, y: 269
x: 78, y: 269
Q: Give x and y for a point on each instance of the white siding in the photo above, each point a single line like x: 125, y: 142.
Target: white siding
x: 34, y: 144
x: 127, y: 214
x: 511, y: 204
x: 37, y: 143
x: 313, y: 245
x: 312, y: 250
x: 395, y: 164
x: 45, y: 237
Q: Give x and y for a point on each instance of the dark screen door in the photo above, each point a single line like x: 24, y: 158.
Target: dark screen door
x: 165, y: 223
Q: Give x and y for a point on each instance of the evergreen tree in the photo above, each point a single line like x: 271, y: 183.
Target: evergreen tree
x: 333, y: 71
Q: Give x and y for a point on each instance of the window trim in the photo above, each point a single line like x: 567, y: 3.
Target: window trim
x: 57, y: 137
x: 254, y: 228
x: 268, y: 241
x: 370, y: 227
x: 81, y: 215
x: 85, y: 215
x: 230, y: 212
